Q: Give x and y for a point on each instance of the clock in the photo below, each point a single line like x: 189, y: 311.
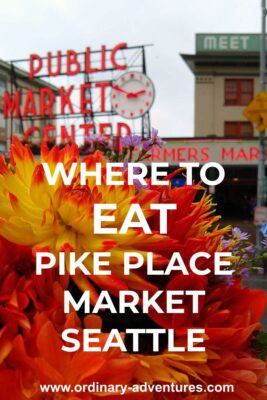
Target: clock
x: 132, y: 95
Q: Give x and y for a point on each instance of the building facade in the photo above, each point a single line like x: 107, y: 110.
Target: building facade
x: 226, y: 69
x: 12, y: 79
x: 236, y: 195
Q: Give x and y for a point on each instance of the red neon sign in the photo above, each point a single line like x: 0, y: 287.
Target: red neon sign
x: 41, y: 103
x: 73, y: 65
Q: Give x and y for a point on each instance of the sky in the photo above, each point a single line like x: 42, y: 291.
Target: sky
x: 39, y: 26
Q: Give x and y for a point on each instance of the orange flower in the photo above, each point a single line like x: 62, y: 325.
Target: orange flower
x: 246, y: 375
x: 181, y: 322
x: 231, y: 313
x: 37, y: 359
x: 23, y: 294
x: 243, y: 371
x: 172, y: 368
x: 192, y: 224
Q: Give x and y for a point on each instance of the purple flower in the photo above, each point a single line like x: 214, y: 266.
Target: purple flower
x: 250, y: 249
x: 137, y: 184
x: 239, y: 235
x: 155, y: 140
x: 226, y: 242
x: 97, y: 139
x: 130, y: 141
x: 245, y: 273
x: 260, y: 270
x: 230, y: 280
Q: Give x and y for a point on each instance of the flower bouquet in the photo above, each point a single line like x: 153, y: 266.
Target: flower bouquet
x: 38, y: 217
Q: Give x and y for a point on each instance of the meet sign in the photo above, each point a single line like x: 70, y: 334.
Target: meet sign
x: 227, y: 42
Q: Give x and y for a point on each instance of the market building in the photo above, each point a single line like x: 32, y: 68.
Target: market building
x: 14, y: 79
x: 236, y: 195
x: 226, y: 70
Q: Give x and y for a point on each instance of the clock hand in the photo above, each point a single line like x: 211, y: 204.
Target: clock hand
x: 140, y: 92
x: 129, y: 94
x: 120, y: 89
x: 135, y: 94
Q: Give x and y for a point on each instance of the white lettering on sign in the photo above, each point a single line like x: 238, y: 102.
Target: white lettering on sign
x: 244, y: 40
x: 226, y: 42
x: 210, y: 43
x: 223, y: 42
x: 234, y: 42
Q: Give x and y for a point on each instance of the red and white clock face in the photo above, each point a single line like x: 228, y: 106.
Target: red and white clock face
x: 132, y: 95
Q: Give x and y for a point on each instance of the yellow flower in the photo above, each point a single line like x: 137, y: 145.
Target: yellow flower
x: 172, y: 368
x: 60, y: 218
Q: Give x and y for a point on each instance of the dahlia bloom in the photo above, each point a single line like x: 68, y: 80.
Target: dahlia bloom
x: 37, y: 217
x: 246, y: 373
x: 230, y: 315
x: 23, y: 295
x: 37, y: 359
x: 60, y: 218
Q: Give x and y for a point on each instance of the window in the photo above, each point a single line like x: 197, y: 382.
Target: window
x: 238, y: 128
x: 2, y: 120
x: 2, y: 147
x: 2, y: 87
x: 238, y: 92
x: 17, y: 126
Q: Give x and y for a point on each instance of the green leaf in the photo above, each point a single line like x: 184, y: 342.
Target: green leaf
x: 259, y: 344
